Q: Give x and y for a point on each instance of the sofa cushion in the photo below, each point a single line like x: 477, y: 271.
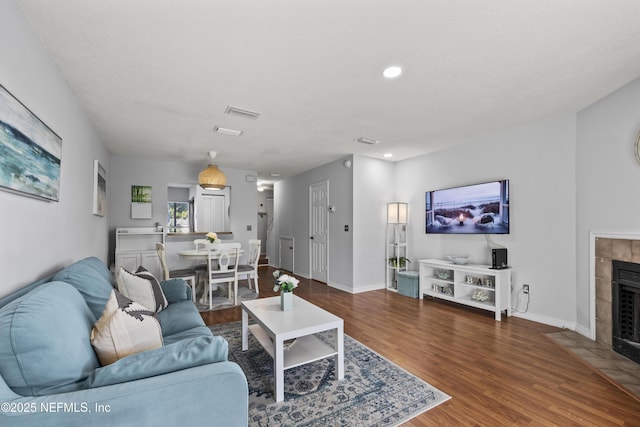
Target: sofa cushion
x: 178, y: 317
x: 198, y: 331
x: 124, y: 328
x: 45, y: 343
x: 92, y: 278
x: 142, y: 288
x: 176, y: 290
x: 187, y: 353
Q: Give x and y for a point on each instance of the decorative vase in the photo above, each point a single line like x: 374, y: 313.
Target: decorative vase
x: 286, y: 301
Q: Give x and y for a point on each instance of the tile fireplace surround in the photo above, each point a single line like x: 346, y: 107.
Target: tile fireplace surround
x: 599, y: 355
x: 607, y: 250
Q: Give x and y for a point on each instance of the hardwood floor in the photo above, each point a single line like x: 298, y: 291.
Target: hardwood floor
x: 497, y: 373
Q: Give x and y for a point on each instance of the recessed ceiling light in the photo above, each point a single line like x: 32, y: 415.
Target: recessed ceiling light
x: 227, y: 131
x: 388, y: 155
x: 275, y: 174
x: 392, y: 72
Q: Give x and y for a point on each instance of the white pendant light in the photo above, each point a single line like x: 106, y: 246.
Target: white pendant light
x: 212, y: 178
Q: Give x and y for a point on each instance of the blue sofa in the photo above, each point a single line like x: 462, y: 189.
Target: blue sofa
x: 51, y: 376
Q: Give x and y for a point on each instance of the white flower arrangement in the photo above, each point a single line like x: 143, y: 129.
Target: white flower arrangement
x: 212, y: 237
x: 284, y: 282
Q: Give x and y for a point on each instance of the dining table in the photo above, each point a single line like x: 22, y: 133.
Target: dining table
x: 202, y: 254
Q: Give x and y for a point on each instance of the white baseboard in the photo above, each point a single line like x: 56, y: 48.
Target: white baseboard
x: 558, y: 323
x: 340, y: 287
x: 359, y: 290
x: 586, y: 332
x: 368, y: 288
x: 304, y: 275
x: 551, y: 321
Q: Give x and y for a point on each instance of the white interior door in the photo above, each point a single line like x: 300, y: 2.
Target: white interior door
x: 213, y: 213
x: 318, y: 230
x: 286, y: 253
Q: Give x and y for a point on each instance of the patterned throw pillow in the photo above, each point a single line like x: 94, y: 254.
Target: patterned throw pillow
x: 141, y: 287
x: 125, y: 328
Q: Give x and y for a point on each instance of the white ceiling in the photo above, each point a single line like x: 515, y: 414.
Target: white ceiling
x: 155, y: 76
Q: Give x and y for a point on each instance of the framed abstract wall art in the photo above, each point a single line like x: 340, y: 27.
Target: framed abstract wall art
x: 30, y: 151
x: 99, y: 188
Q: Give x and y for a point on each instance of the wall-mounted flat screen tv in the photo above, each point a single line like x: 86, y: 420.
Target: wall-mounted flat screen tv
x: 472, y: 209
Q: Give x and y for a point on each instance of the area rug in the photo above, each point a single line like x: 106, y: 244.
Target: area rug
x: 220, y: 298
x: 374, y: 392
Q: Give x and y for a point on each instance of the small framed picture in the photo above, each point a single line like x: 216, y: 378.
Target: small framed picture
x: 141, y: 202
x: 99, y: 188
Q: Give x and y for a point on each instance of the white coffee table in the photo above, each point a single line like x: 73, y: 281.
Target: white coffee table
x: 274, y: 326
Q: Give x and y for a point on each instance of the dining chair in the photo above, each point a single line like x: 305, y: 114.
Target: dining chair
x: 186, y: 274
x: 201, y: 244
x: 222, y: 264
x: 250, y: 269
x: 201, y: 267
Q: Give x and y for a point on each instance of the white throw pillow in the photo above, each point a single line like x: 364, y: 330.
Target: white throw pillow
x: 141, y: 287
x: 124, y: 328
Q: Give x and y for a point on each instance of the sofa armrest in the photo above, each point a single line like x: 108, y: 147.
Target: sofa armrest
x: 176, y: 290
x: 216, y: 392
x: 6, y: 394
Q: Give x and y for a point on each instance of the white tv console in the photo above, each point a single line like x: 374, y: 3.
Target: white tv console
x: 474, y: 285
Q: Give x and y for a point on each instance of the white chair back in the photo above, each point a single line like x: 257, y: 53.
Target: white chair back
x: 163, y: 262
x: 250, y: 269
x: 227, y: 256
x: 222, y: 264
x: 203, y: 244
x: 254, y: 252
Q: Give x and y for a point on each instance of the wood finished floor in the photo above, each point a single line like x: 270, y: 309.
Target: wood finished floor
x: 497, y: 373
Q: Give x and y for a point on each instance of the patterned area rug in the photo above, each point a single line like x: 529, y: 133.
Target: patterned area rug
x: 374, y: 392
x: 220, y: 298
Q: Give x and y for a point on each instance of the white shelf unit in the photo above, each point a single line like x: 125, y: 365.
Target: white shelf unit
x: 477, y: 286
x: 136, y: 246
x: 396, y: 254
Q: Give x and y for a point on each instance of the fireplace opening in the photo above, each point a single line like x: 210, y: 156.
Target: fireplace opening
x: 625, y: 309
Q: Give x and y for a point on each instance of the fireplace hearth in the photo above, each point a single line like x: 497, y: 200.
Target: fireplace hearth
x: 625, y: 309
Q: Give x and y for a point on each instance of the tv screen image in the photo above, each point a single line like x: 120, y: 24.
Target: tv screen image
x: 472, y: 209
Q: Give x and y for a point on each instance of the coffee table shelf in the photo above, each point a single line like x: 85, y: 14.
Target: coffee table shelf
x: 306, y: 349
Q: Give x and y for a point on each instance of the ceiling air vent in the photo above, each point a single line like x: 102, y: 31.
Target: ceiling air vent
x: 367, y: 141
x: 240, y: 112
x: 227, y: 131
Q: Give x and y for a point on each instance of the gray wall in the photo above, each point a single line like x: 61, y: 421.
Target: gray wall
x: 607, y: 177
x: 127, y: 171
x: 539, y: 161
x: 40, y: 237
x: 373, y: 188
x: 360, y: 195
x: 291, y: 213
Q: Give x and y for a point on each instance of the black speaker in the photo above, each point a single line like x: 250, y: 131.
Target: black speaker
x: 499, y: 258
